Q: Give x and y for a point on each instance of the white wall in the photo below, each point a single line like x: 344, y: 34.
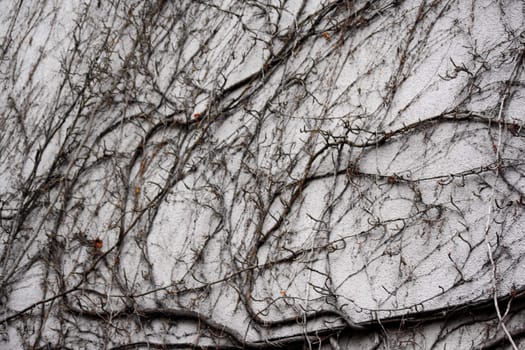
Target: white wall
x: 236, y: 172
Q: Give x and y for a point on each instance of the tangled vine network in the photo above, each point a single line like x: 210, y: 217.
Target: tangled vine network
x: 259, y: 174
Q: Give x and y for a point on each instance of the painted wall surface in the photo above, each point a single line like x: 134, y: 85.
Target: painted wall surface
x: 339, y: 174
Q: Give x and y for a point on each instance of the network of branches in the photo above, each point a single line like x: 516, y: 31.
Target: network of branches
x: 262, y: 174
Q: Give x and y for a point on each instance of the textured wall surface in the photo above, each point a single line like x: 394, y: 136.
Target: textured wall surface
x: 339, y: 174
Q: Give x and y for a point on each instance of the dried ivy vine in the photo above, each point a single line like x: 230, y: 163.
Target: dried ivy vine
x: 260, y: 174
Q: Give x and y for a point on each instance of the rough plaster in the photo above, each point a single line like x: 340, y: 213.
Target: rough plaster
x: 298, y: 174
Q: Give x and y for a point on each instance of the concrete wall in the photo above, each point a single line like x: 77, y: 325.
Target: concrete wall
x: 262, y: 174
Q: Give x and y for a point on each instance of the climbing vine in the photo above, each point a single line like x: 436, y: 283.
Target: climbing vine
x: 262, y: 174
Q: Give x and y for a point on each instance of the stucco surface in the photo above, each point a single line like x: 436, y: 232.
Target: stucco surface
x: 256, y: 174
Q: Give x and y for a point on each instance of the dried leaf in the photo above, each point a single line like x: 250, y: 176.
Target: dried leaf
x: 98, y: 243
